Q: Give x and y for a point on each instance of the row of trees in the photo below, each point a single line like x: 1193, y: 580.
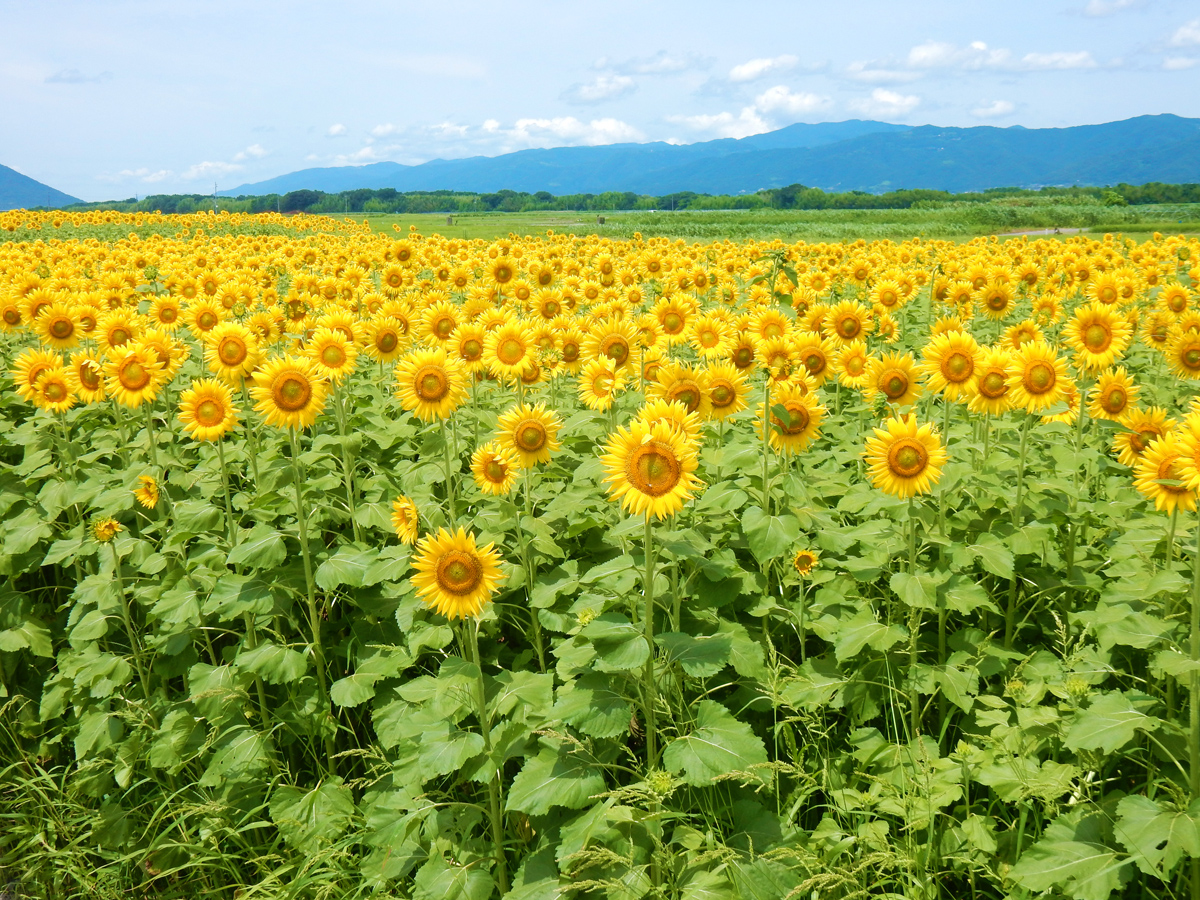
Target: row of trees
x: 794, y: 196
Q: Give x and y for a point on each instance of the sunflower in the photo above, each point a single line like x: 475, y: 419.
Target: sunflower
x: 289, y: 391
x: 681, y: 384
x: 616, y: 339
x: 1016, y: 336
x: 895, y: 376
x: 814, y: 353
x: 406, y: 520
x: 1071, y: 400
x: 848, y: 321
x: 116, y: 329
x: 29, y: 366
x: 509, y: 349
x: 650, y: 468
x: 439, y: 320
x: 206, y: 410
x: 495, y: 468
x: 850, y: 363
x: 1113, y: 395
x: 711, y: 337
x: 1098, y: 335
x: 686, y: 423
x: 502, y: 271
x: 744, y: 353
x: 202, y: 316
x: 133, y: 375
x: 231, y: 351
x: 52, y: 392
x: 165, y: 312
x: 1144, y: 426
x: 805, y: 561
x: 85, y: 374
x: 332, y: 354
x: 105, y: 529
x: 599, y: 383
x: 727, y: 390
x: 905, y: 458
x: 1188, y: 464
x: 530, y: 432
x: 570, y: 349
x: 430, y: 384
x: 792, y: 433
x: 949, y: 363
x: 384, y: 338
x: 453, y: 575
x: 1175, y: 299
x: 1037, y: 378
x: 1159, y: 475
x: 674, y: 316
x: 146, y: 493
x: 57, y: 326
x: 997, y: 299
x: 1183, y: 353
x: 886, y: 296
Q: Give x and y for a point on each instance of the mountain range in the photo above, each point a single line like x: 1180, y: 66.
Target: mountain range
x: 19, y: 191
x: 836, y: 156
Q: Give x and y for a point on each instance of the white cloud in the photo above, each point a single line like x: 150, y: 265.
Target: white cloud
x: 362, y: 155
x: 254, y: 151
x: 142, y: 174
x: 1041, y: 62
x: 757, y: 68
x: 994, y: 110
x: 571, y: 131
x: 449, y: 131
x: 600, y: 89
x: 780, y: 99
x: 886, y: 104
x: 384, y: 130
x: 937, y: 55
x: 336, y: 130
x: 1180, y: 63
x: 209, y: 169
x: 1188, y: 35
x: 873, y: 74
x: 661, y: 63
x: 1098, y: 8
x: 934, y: 56
x: 726, y: 124
x: 74, y: 76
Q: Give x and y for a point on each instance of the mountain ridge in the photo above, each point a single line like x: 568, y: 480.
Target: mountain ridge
x: 19, y: 191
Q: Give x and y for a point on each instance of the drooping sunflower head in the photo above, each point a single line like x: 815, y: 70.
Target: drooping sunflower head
x: 86, y: 376
x: 146, y: 493
x: 905, y: 458
x: 406, y: 519
x: 289, y: 392
x: 530, y: 432
x: 650, y: 468
x: 674, y: 413
x: 207, y: 411
x: 495, y: 468
x: 430, y: 384
x: 453, y: 575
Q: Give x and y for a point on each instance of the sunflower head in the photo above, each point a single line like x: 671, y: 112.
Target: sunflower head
x: 805, y: 561
x: 530, y: 433
x: 146, y: 493
x: 453, y: 575
x: 206, y: 410
x: 495, y: 468
x: 289, y: 392
x: 105, y: 529
x: 650, y: 468
x: 406, y: 520
x: 905, y: 458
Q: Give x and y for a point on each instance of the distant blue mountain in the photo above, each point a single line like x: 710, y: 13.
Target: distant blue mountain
x: 835, y: 156
x: 19, y: 191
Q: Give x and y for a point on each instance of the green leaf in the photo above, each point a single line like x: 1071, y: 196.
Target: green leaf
x: 718, y: 746
x: 97, y: 732
x: 1108, y: 723
x: 445, y: 748
x: 437, y: 880
x: 241, y: 754
x: 769, y: 537
x: 233, y: 595
x: 1072, y: 857
x: 592, y: 706
x: 620, y: 645
x: 349, y: 566
x: 93, y: 626
x: 1158, y: 835
x: 353, y: 689
x: 178, y: 739
x: 993, y: 555
x: 311, y: 820
x: 276, y: 664
x: 865, y: 631
x: 262, y: 548
x: 555, y: 777
x: 700, y: 657
x: 23, y: 532
x: 919, y: 591
x: 31, y: 634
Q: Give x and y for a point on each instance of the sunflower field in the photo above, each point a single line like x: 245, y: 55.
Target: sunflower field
x: 344, y: 564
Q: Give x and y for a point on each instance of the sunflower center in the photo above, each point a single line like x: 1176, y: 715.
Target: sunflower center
x: 570, y: 352
x: 232, y: 352
x: 709, y: 339
x: 1040, y: 378
x: 672, y: 323
x: 1097, y: 338
x: 134, y: 376
x: 887, y: 298
x: 531, y: 436
x: 654, y: 469
x: 458, y: 572
x: 743, y: 357
x: 1115, y: 400
x: 168, y: 314
x: 815, y: 363
x: 550, y: 309
x: 118, y: 337
x: 992, y: 385
x: 503, y: 274
x: 386, y: 342
x: 615, y: 348
x: 855, y: 366
x: 894, y: 385
x: 1107, y: 294
x: 209, y: 413
x: 797, y: 420
x: 1177, y: 304
x: 1167, y: 474
x: 333, y: 356
x: 431, y: 384
x: 495, y: 471
x: 997, y: 302
x: 849, y: 327
x: 11, y: 316
x: 470, y: 350
x: 444, y: 326
x: 687, y: 393
x: 958, y: 367
x: 293, y: 393
x: 1191, y: 358
x: 89, y: 377
x: 722, y: 395
x: 908, y: 458
x: 511, y: 351
x: 55, y: 392
x: 1141, y: 440
x: 62, y: 328
x: 206, y: 320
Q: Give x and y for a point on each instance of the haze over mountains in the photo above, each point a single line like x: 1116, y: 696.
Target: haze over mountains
x: 835, y: 156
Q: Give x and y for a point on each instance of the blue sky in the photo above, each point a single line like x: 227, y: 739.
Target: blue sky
x: 106, y: 99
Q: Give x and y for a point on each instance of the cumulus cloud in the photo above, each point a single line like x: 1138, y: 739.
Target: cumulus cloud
x: 780, y: 99
x: 336, y: 130
x: 725, y: 124
x: 872, y: 73
x: 886, y: 104
x: 661, y: 63
x: 938, y: 56
x: 384, y: 130
x: 757, y: 68
x: 776, y: 102
x: 74, y: 76
x: 1041, y: 62
x: 149, y: 176
x: 1187, y: 35
x: 254, y: 151
x: 1180, y: 63
x: 569, y: 130
x: 994, y: 110
x: 601, y: 88
x: 209, y: 169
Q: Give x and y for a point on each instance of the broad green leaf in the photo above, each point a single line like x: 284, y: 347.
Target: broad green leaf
x: 619, y: 644
x: 262, y: 548
x: 276, y: 664
x: 178, y: 739
x: 349, y: 567
x: 233, y: 595
x: 1108, y: 723
x: 719, y: 745
x: 769, y: 537
x: 555, y: 777
x: 700, y: 656
x: 353, y: 689
x: 310, y: 820
x: 93, y: 626
x: 31, y: 634
x: 993, y: 555
x: 592, y: 706
x: 438, y: 880
x: 446, y: 748
x: 241, y: 754
x: 1082, y: 869
x: 864, y: 630
x: 919, y: 590
x: 23, y: 532
x: 97, y: 732
x: 1158, y: 835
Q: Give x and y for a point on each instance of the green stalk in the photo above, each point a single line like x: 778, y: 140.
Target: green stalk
x: 914, y: 625
x: 530, y: 574
x: 494, y: 787
x: 251, y: 436
x: 803, y: 612
x: 134, y: 644
x: 314, y: 617
x: 766, y: 445
x: 649, y: 686
x: 151, y: 437
x: 449, y: 477
x: 1010, y: 612
x: 1194, y: 706
x: 347, y: 461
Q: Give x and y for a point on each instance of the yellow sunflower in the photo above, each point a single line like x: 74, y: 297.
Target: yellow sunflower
x: 29, y: 365
x: 53, y: 391
x: 146, y: 493
x: 1037, y: 378
x: 949, y: 363
x: 289, y: 392
x: 850, y: 363
x: 430, y: 384
x: 686, y: 423
x: 495, y: 468
x: 509, y: 349
x: 133, y: 375
x: 1143, y: 426
x: 905, y: 458
x: 206, y: 410
x: 105, y: 529
x: 455, y: 577
x: 987, y: 392
x: 530, y: 432
x: 805, y: 561
x: 682, y: 384
x: 231, y: 351
x: 1183, y: 353
x: 615, y: 339
x: 711, y: 337
x: 385, y: 338
x: 848, y: 321
x: 1113, y: 395
x: 803, y: 419
x: 332, y: 354
x: 1098, y: 335
x: 815, y: 354
x: 1159, y: 475
x: 727, y: 390
x: 406, y: 520
x: 57, y: 327
x: 895, y: 377
x: 599, y: 383
x: 86, y: 376
x: 651, y: 469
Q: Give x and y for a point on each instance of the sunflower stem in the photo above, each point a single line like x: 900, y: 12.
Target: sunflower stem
x: 766, y: 445
x: 1194, y: 705
x: 151, y: 438
x: 449, y: 477
x: 251, y: 437
x: 531, y: 574
x: 135, y: 645
x: 339, y: 409
x: 314, y: 616
x: 1010, y: 612
x: 485, y: 728
x: 649, y: 687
